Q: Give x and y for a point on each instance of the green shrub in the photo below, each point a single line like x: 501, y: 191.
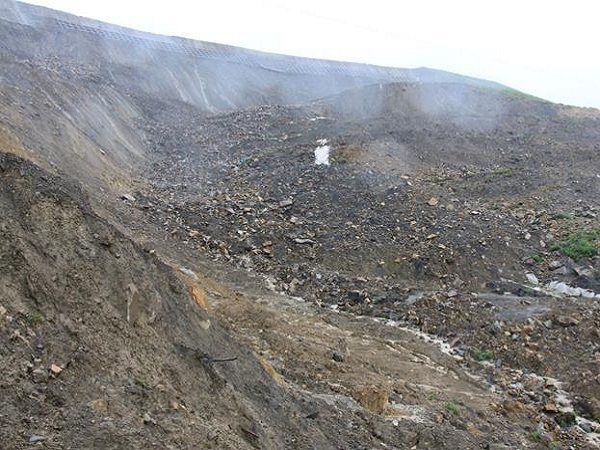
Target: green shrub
x: 581, y: 244
x: 453, y: 408
x: 560, y: 216
x: 506, y: 171
x: 537, y: 258
x: 140, y: 382
x: 482, y: 354
x: 37, y: 319
x: 536, y: 436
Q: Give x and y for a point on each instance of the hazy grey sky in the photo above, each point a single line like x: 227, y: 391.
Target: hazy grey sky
x: 545, y: 48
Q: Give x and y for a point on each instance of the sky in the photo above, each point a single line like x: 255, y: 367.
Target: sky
x: 544, y: 48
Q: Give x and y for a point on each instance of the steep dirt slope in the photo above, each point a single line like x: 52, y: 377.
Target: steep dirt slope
x: 102, y: 346
x: 130, y: 341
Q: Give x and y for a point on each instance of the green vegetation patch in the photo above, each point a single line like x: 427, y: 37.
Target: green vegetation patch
x: 560, y: 216
x: 536, y: 436
x: 453, y: 408
x: 537, y: 258
x: 581, y: 244
x: 503, y: 171
x: 482, y: 354
x: 140, y: 382
x: 37, y: 319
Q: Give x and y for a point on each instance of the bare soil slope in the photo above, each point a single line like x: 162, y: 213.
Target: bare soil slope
x: 103, y: 347
x: 176, y: 270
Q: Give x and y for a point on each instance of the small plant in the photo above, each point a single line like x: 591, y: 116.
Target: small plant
x: 560, y: 216
x: 536, y: 436
x: 581, y: 244
x: 537, y: 258
x: 140, y: 382
x: 554, y: 445
x: 36, y: 319
x: 244, y: 160
x: 504, y: 171
x: 453, y: 408
x: 482, y: 354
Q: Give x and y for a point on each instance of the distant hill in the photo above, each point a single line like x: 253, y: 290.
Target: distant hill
x: 212, y: 77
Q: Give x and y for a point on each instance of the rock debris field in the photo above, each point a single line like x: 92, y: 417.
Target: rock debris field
x: 209, y: 247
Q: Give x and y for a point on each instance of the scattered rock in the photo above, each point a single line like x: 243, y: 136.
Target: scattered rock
x: 99, y: 405
x: 452, y: 293
x: 554, y: 265
x: 532, y: 279
x: 69, y: 325
x: 561, y: 271
x: 584, y: 271
x: 303, y: 241
x: 566, y: 321
x: 36, y: 438
x: 356, y: 296
x: 433, y: 201
x: 148, y: 420
x: 40, y: 375
x: 134, y: 303
x: 589, y: 407
x: 565, y: 419
x: 550, y: 408
x: 199, y: 296
x: 338, y: 356
x: 373, y: 398
x: 563, y: 288
x: 55, y: 369
x: 128, y: 197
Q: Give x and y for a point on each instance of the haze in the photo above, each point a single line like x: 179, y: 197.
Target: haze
x: 547, y: 49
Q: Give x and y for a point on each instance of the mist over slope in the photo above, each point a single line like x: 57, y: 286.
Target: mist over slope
x: 102, y: 78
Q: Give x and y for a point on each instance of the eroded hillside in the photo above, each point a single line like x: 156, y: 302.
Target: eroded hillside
x: 177, y: 270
